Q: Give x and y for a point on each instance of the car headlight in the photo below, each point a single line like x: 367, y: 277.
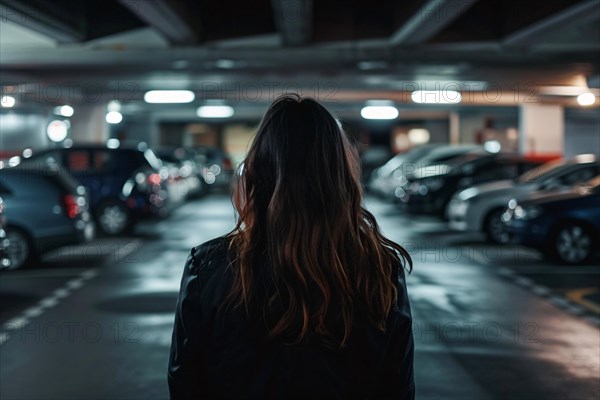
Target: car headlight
x: 526, y: 212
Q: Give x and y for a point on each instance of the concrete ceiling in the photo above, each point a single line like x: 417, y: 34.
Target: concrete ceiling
x: 69, y: 51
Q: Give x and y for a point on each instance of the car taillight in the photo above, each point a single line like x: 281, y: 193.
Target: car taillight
x: 154, y: 179
x: 71, y: 206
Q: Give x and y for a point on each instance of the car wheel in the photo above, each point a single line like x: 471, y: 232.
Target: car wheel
x: 19, y: 248
x: 496, y: 230
x: 573, y: 244
x: 113, y: 218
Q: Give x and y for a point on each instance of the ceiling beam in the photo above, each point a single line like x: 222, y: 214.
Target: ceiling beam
x: 161, y: 15
x: 23, y: 14
x: 580, y: 13
x: 430, y: 19
x: 293, y: 19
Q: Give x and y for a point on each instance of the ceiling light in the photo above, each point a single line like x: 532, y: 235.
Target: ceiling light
x: 7, y: 101
x: 169, y: 96
x: 379, y: 112
x: 492, y: 146
x: 436, y: 96
x: 65, y: 111
x: 418, y: 136
x: 114, y: 117
x: 215, y: 111
x: 113, y: 143
x: 57, y: 130
x: 586, y: 99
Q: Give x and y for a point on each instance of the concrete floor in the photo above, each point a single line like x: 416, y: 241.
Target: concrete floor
x: 94, y: 322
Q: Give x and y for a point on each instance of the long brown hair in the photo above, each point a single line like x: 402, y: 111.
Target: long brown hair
x: 308, y: 256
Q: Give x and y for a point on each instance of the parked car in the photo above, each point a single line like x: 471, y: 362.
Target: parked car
x: 479, y: 208
x: 443, y: 154
x: 215, y: 164
x: 124, y: 184
x: 383, y: 182
x: 45, y: 209
x: 428, y: 190
x: 563, y: 225
x: 4, y: 259
x: 183, y: 167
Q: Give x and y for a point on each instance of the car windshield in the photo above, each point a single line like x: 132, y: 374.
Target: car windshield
x: 541, y: 172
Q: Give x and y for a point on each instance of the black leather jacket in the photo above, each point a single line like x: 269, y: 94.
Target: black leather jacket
x: 215, y: 355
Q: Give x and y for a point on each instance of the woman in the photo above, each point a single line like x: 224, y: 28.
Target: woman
x: 304, y: 298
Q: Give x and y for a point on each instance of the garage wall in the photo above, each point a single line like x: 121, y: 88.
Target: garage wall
x: 582, y: 131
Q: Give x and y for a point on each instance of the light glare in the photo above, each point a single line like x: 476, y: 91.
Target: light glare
x: 586, y: 99
x: 114, y: 117
x: 7, y: 101
x: 169, y: 96
x: 215, y: 111
x: 436, y: 96
x: 379, y: 112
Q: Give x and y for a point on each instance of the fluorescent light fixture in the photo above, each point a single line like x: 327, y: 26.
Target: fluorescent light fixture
x: 114, y: 117
x: 113, y: 143
x: 586, y: 99
x: 169, y: 96
x: 379, y: 112
x: 436, y: 96
x: 215, y: 111
x: 57, y: 130
x: 7, y: 101
x: 65, y: 111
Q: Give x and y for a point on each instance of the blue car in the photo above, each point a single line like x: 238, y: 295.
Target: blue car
x: 565, y: 226
x: 44, y: 209
x: 124, y: 184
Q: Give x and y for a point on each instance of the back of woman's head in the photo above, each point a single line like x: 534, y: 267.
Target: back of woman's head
x: 310, y: 258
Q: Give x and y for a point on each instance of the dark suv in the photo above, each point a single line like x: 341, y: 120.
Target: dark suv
x: 45, y: 209
x: 124, y: 184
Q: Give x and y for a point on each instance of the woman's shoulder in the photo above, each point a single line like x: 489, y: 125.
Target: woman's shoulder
x: 210, y: 249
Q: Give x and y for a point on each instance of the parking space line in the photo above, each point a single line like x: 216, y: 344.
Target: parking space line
x: 578, y: 295
x: 19, y: 322
x: 571, y: 302
x: 53, y: 273
x: 58, y: 294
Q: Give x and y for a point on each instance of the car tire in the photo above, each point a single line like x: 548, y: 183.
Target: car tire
x: 113, y: 218
x: 495, y: 230
x: 20, y: 249
x: 572, y: 243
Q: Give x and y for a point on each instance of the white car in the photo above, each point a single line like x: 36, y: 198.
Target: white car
x: 479, y: 208
x: 390, y: 177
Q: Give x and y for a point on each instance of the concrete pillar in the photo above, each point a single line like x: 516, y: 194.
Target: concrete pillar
x: 541, y: 130
x: 88, y: 124
x: 454, y: 121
